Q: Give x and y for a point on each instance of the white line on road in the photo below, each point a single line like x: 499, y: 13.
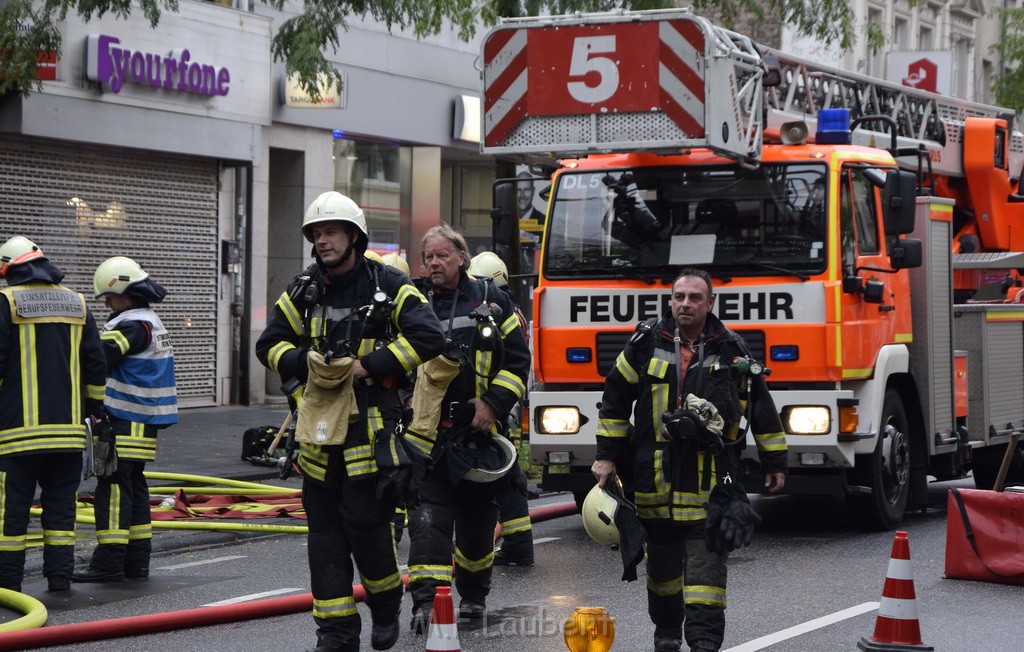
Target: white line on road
x: 201, y: 563
x: 803, y: 628
x: 544, y: 540
x: 251, y: 597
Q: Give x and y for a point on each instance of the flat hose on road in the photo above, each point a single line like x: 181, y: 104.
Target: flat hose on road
x: 199, y: 617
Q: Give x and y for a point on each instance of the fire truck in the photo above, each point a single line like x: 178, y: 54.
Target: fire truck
x: 865, y: 238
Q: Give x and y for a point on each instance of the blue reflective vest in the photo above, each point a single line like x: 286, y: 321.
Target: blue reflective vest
x: 141, y: 388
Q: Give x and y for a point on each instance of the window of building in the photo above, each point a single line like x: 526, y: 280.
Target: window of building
x: 473, y: 217
x: 377, y: 176
x: 926, y: 38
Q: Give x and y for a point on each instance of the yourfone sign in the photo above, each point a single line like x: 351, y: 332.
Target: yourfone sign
x: 113, y: 66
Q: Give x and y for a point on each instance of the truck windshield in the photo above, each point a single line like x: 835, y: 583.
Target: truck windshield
x: 647, y: 222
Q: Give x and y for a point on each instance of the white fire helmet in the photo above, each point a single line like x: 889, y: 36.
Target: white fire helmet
x: 598, y: 513
x: 396, y: 261
x: 115, y: 275
x: 482, y: 473
x: 335, y: 207
x: 488, y: 263
x: 16, y: 251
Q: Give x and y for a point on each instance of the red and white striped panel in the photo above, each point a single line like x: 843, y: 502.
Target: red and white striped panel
x: 658, y: 65
x: 505, y: 82
x: 681, y: 74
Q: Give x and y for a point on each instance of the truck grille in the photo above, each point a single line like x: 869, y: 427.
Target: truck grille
x: 610, y: 344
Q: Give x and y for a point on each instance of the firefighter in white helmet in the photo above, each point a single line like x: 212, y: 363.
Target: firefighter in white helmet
x: 349, y: 309
x: 513, y: 508
x: 51, y: 380
x: 141, y: 400
x: 492, y: 361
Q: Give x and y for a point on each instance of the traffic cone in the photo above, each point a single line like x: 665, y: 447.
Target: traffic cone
x: 443, y: 635
x: 897, y: 627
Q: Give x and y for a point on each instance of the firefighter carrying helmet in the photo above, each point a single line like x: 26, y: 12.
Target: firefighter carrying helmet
x: 483, y: 458
x: 598, y: 514
x: 396, y: 261
x: 489, y: 264
x: 16, y: 251
x: 335, y: 207
x: 122, y: 275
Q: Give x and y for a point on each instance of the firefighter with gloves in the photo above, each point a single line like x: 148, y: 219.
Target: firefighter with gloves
x: 693, y: 385
x: 140, y: 400
x: 51, y: 380
x: 513, y: 508
x: 472, y: 457
x: 348, y: 331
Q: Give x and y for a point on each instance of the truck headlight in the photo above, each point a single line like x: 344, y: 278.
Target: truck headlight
x: 807, y: 419
x: 562, y: 420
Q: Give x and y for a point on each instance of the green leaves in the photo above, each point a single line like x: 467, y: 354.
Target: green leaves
x: 304, y: 41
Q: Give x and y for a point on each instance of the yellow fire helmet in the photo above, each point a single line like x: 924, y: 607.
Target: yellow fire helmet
x: 488, y: 263
x: 115, y: 275
x: 396, y: 261
x: 598, y: 514
x: 16, y: 251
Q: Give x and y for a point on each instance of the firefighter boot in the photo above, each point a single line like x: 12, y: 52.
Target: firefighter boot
x: 704, y: 646
x: 107, y: 564
x: 136, y: 558
x: 420, y: 620
x: 668, y: 639
x: 384, y: 637
x: 470, y: 608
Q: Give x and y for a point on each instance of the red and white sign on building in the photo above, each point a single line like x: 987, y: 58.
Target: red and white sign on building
x: 924, y: 70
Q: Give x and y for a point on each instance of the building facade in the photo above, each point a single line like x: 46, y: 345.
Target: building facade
x: 188, y: 148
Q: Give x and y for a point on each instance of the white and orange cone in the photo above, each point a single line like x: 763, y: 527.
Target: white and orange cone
x: 443, y: 635
x: 897, y: 627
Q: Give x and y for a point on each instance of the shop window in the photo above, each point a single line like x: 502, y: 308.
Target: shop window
x: 377, y: 177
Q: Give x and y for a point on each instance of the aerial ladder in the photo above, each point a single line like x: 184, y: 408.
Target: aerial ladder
x: 744, y: 94
x: 906, y: 344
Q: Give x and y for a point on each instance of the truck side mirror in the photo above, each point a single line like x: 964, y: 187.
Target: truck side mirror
x: 504, y: 214
x: 898, y: 202
x: 906, y: 253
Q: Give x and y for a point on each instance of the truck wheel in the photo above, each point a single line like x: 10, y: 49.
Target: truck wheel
x: 886, y: 471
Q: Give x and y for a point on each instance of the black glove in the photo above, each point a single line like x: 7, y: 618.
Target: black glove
x: 402, y: 470
x: 731, y: 520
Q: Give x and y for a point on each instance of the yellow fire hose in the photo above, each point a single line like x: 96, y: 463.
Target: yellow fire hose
x: 34, y: 611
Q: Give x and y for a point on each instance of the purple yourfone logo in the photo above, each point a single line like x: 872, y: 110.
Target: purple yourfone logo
x: 114, y: 67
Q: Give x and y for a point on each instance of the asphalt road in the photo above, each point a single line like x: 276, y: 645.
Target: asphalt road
x: 808, y: 583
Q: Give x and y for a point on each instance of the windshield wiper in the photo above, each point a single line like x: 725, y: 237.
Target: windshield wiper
x: 780, y: 270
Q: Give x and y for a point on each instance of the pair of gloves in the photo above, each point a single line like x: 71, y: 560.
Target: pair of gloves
x: 731, y: 520
x: 402, y: 467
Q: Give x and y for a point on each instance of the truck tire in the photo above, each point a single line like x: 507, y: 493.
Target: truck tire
x: 886, y: 471
x: 985, y: 466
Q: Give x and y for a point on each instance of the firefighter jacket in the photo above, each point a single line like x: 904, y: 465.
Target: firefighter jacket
x: 493, y: 369
x: 141, y: 396
x: 673, y: 479
x: 51, y: 363
x: 329, y: 314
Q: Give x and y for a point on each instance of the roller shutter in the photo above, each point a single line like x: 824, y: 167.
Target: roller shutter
x: 83, y: 205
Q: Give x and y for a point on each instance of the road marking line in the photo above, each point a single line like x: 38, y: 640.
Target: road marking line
x: 803, y: 628
x: 248, y: 598
x: 544, y: 540
x: 201, y: 563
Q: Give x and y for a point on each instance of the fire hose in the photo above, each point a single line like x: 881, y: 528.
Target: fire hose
x: 28, y: 631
